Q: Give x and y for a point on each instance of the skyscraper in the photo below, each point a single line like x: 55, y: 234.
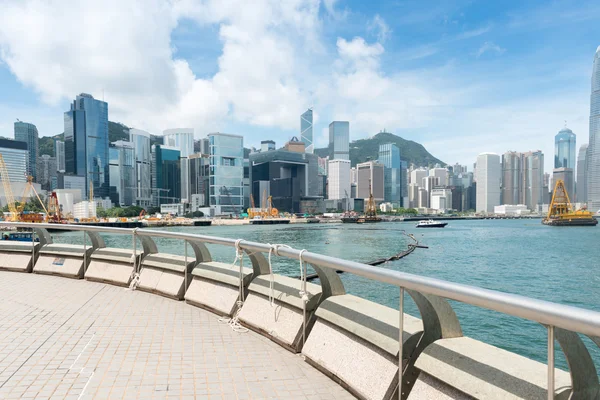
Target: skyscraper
x: 47, y: 171
x: 28, y: 133
x: 488, y: 182
x: 389, y: 156
x: 86, y: 143
x: 306, y: 130
x: 511, y: 178
x: 593, y: 180
x: 122, y: 172
x: 533, y: 179
x: 15, y: 157
x: 370, y: 180
x: 143, y: 166
x: 183, y: 139
x: 339, y: 180
x: 582, y: 174
x: 226, y: 191
x: 59, y: 153
x: 564, y: 149
x: 167, y: 173
x: 339, y: 140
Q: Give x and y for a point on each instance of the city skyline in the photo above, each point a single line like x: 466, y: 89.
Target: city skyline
x: 518, y: 90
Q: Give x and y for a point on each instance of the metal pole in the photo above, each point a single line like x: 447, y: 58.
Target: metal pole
x: 32, y: 248
x: 186, y: 266
x: 134, y: 252
x: 550, y: 362
x: 84, y: 252
x: 400, y: 342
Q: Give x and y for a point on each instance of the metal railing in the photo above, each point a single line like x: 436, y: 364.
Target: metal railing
x: 552, y: 315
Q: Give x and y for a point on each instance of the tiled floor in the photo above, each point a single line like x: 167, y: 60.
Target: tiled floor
x: 63, y: 338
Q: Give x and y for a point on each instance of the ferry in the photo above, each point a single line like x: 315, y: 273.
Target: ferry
x: 431, y: 224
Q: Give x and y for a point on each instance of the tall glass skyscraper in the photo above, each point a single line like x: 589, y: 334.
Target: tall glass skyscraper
x: 306, y: 130
x: 594, y: 143
x: 143, y: 166
x: 86, y: 143
x: 564, y: 149
x: 389, y: 156
x: 122, y: 172
x: 28, y: 133
x: 183, y: 139
x: 339, y: 140
x: 582, y: 174
x: 226, y: 179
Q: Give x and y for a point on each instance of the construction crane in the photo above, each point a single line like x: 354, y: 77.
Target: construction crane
x: 272, y: 212
x: 561, y: 212
x: 29, y: 217
x: 10, y: 199
x: 252, y: 212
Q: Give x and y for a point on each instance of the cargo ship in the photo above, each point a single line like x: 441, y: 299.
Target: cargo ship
x: 561, y: 213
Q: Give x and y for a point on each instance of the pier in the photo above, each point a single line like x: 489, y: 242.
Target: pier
x: 90, y: 321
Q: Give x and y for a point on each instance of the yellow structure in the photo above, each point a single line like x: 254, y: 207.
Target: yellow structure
x: 560, y: 211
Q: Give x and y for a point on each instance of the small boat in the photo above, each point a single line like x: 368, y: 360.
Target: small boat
x: 431, y: 224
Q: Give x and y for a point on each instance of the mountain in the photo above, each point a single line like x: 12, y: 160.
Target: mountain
x: 368, y: 149
x: 116, y: 131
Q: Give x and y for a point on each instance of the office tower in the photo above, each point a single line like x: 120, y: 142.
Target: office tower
x: 339, y: 180
x: 86, y: 143
x: 182, y: 139
x: 533, y: 179
x: 567, y: 176
x: 267, y: 145
x: 121, y: 165
x: 441, y: 199
x: 306, y: 130
x: 143, y: 166
x: 339, y: 140
x: 417, y: 175
x: 15, y: 157
x: 564, y: 149
x: 370, y: 180
x: 413, y: 195
x: 511, y: 178
x: 199, y: 173
x: 488, y: 182
x: 166, y: 169
x: 441, y: 174
x: 59, y: 153
x: 47, y: 171
x: 226, y: 173
x: 582, y: 174
x: 593, y: 183
x: 389, y: 156
x: 28, y: 133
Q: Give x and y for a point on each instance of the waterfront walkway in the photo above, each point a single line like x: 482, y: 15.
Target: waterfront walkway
x: 70, y: 339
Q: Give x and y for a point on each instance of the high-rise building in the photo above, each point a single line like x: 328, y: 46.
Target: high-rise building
x: 226, y: 194
x: 565, y: 175
x: 143, y: 166
x: 122, y: 173
x: 488, y: 182
x: 306, y: 130
x: 166, y: 169
x: 389, y: 156
x: 86, y: 143
x: 564, y: 149
x: 15, y: 157
x: 417, y: 175
x: 28, y: 133
x: 533, y: 179
x: 182, y: 139
x: 511, y: 178
x: 593, y: 183
x: 370, y: 180
x: 47, y: 171
x: 339, y: 140
x: 59, y: 153
x: 441, y: 199
x: 441, y: 174
x: 199, y: 173
x: 582, y: 174
x: 339, y: 186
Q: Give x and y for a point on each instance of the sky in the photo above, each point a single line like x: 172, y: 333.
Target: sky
x: 459, y: 77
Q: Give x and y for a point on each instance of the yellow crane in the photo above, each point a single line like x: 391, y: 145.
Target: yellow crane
x: 561, y: 213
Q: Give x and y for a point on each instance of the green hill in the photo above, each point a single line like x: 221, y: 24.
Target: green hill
x: 368, y: 149
x: 116, y: 131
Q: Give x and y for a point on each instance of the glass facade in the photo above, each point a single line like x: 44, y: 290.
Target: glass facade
x: 15, y: 157
x: 389, y: 156
x: 226, y: 174
x: 306, y: 130
x: 582, y: 171
x: 168, y: 174
x: 28, y: 133
x: 182, y: 139
x: 59, y: 153
x: 339, y: 140
x: 122, y: 172
x: 564, y: 149
x: 143, y: 166
x: 593, y: 180
x: 86, y: 143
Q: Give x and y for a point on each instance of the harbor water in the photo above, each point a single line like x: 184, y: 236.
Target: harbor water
x: 514, y: 256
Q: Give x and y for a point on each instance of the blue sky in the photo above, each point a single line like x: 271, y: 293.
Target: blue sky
x: 460, y: 77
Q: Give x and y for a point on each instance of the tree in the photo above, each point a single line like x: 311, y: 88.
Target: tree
x: 101, y: 212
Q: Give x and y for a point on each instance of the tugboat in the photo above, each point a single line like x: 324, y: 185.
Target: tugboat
x: 431, y: 224
x: 560, y: 212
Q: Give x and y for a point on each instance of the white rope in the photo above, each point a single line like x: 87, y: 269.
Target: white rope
x: 234, y: 322
x: 273, y: 248
x: 303, y: 294
x: 135, y: 281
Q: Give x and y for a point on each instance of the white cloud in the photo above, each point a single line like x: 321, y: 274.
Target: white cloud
x: 381, y: 30
x: 489, y: 47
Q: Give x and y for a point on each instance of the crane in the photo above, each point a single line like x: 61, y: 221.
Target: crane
x: 10, y: 199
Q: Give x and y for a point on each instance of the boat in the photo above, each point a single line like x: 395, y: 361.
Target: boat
x: 19, y: 236
x: 561, y: 213
x: 429, y: 223
x: 369, y: 217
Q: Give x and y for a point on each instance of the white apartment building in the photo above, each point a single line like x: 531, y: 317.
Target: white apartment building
x: 339, y: 179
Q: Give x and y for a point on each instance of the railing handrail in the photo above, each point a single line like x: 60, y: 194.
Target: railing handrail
x: 544, y: 312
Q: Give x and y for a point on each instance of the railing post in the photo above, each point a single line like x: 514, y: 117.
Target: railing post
x: 550, y: 362
x: 135, y: 265
x: 400, y: 342
x: 84, y: 252
x: 32, y: 248
x: 185, y: 271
